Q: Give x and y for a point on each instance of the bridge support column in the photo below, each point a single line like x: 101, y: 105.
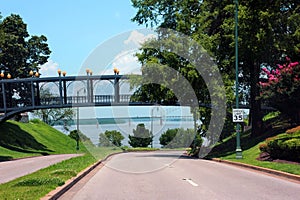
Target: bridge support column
x: 92, y: 91
x: 88, y: 91
x: 65, y: 93
x: 117, y: 90
x: 60, y: 91
x: 38, y: 98
x: 32, y: 94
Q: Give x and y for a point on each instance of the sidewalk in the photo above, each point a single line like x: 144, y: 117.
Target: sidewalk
x: 11, y: 170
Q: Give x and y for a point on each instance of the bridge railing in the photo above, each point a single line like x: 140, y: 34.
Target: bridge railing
x: 97, y: 99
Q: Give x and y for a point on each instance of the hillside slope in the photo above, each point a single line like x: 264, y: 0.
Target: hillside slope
x: 18, y: 140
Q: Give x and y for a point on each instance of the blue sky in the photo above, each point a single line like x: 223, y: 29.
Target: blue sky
x: 74, y: 28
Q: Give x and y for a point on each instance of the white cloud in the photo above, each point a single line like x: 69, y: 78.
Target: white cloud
x: 127, y: 63
x: 138, y: 38
x: 125, y: 59
x: 49, y: 68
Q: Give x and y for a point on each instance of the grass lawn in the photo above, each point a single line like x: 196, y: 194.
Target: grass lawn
x: 250, y: 146
x: 250, y: 155
x: 18, y: 140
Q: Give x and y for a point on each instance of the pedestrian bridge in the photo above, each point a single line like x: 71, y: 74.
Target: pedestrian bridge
x: 28, y: 94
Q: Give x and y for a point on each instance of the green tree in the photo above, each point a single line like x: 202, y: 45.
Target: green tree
x: 21, y: 52
x: 109, y: 138
x: 141, y: 137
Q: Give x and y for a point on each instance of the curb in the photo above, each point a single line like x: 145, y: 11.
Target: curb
x: 262, y: 169
x: 59, y: 191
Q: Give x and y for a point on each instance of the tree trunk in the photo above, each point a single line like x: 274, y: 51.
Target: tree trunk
x: 255, y: 103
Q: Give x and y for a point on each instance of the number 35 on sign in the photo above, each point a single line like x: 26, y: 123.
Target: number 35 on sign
x: 238, y: 115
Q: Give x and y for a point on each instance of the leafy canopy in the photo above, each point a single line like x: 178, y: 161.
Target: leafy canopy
x: 20, y: 52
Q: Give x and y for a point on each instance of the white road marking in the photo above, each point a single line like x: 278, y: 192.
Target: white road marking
x: 191, y: 182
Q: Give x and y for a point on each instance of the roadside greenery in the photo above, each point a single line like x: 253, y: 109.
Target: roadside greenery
x: 285, y: 146
x: 250, y: 157
x: 251, y: 146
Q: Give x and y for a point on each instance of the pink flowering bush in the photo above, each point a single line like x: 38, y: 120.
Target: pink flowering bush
x: 281, y: 88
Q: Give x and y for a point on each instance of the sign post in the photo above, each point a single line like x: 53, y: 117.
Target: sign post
x: 238, y: 117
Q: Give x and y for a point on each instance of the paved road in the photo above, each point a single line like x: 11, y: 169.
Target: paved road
x: 11, y: 170
x: 161, y: 175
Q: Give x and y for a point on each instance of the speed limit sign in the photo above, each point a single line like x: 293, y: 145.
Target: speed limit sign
x: 238, y: 115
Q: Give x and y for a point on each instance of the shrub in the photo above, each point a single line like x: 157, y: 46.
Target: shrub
x: 284, y: 146
x: 141, y: 137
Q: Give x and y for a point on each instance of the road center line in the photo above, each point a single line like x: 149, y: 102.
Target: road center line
x: 191, y: 182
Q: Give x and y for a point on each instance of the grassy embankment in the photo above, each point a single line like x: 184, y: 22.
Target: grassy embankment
x: 225, y: 150
x: 18, y: 140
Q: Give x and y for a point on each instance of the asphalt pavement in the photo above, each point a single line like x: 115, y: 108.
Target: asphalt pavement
x: 168, y: 175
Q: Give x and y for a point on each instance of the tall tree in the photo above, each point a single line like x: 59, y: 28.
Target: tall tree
x: 267, y: 30
x: 21, y: 53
